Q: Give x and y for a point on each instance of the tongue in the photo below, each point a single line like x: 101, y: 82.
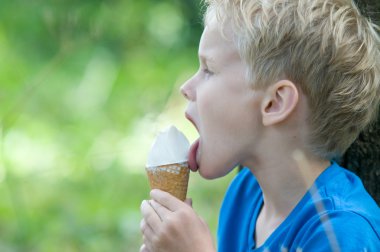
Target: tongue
x: 193, y: 156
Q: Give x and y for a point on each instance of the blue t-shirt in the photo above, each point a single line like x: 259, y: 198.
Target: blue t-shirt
x: 336, y: 214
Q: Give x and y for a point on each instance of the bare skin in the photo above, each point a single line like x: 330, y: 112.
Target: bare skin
x: 272, y: 126
x: 172, y: 225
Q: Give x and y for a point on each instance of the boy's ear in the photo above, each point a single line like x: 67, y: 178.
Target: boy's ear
x: 279, y: 102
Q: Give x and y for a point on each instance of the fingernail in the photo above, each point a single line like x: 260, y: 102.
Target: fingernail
x: 153, y: 192
x: 149, y: 202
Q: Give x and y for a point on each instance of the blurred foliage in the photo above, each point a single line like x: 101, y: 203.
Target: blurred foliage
x: 81, y: 84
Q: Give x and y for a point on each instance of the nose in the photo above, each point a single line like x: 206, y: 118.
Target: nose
x: 187, y: 90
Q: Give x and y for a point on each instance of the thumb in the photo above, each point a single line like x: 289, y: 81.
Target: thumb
x: 189, y: 202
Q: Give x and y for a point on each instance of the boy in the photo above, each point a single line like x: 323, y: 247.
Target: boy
x: 284, y: 86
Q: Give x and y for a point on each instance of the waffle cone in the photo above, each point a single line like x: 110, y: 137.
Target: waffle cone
x: 171, y: 178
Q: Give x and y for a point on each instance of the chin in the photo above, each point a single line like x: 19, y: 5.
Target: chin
x: 210, y: 174
x: 207, y: 174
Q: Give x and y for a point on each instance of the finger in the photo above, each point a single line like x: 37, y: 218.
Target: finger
x: 167, y: 200
x: 148, y: 246
x: 189, y: 202
x: 146, y: 230
x: 154, y: 209
x: 144, y: 248
x: 150, y: 216
x: 162, y: 211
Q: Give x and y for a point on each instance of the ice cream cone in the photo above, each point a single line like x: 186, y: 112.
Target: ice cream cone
x: 172, y: 178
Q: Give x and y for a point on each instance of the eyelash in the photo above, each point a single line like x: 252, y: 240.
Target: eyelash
x: 207, y: 71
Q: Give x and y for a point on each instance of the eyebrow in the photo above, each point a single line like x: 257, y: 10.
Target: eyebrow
x: 204, y: 59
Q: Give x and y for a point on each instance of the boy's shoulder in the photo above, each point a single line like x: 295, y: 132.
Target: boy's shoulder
x: 342, y: 202
x: 339, y: 190
x: 337, y: 207
x: 339, y: 230
x: 336, y: 189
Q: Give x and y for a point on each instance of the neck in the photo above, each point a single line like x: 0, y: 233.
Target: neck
x: 285, y: 181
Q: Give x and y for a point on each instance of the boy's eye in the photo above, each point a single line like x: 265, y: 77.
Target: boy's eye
x: 207, y: 71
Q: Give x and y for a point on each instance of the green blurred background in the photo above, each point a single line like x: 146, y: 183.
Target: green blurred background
x: 85, y: 86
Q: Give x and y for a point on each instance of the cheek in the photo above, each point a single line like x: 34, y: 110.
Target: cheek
x: 222, y: 109
x: 225, y: 131
x: 213, y: 97
x: 213, y: 117
x: 208, y: 101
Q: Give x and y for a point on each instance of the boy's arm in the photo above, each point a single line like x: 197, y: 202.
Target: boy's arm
x: 169, y: 224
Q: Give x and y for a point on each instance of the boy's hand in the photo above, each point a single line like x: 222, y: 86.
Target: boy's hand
x: 169, y: 224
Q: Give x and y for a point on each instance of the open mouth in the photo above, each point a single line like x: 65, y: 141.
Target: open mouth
x: 188, y: 116
x: 193, y: 153
x: 194, y: 148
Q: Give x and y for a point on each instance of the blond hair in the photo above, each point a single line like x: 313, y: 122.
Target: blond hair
x: 326, y: 47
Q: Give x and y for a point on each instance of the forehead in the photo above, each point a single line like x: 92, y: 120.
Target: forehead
x: 215, y: 44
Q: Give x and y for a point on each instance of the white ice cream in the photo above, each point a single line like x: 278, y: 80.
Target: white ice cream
x: 171, y: 146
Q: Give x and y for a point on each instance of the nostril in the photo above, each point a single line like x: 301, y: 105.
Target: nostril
x: 184, y: 92
x: 188, y: 89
